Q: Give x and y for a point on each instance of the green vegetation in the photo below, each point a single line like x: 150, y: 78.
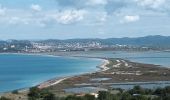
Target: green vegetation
x: 4, y: 98
x: 137, y: 93
x: 35, y: 93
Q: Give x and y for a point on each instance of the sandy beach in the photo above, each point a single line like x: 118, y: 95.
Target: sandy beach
x: 102, y: 67
x: 51, y: 83
x: 115, y: 71
x: 112, y: 71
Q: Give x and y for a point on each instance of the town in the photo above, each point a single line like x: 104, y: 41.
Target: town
x: 115, y: 44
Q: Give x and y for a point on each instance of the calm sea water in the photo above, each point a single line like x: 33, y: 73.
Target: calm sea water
x: 151, y: 57
x: 21, y: 71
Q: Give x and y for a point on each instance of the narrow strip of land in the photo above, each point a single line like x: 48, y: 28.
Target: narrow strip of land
x: 113, y: 70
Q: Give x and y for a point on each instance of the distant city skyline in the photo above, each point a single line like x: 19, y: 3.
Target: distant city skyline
x: 67, y: 19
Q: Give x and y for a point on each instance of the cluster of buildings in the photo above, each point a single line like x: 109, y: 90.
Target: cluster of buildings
x: 37, y: 47
x: 89, y: 46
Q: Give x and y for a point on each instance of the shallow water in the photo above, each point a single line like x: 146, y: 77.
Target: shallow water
x: 148, y: 85
x: 85, y: 90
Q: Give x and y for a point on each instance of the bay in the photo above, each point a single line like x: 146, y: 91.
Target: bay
x: 22, y: 71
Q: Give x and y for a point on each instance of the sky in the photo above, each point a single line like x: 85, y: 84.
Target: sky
x: 66, y: 19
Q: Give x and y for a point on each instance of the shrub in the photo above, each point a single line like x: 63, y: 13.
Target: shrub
x: 4, y: 98
x: 34, y: 93
x: 89, y: 97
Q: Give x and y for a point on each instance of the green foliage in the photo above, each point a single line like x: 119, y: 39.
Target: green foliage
x: 167, y: 89
x: 73, y: 97
x: 47, y: 95
x: 137, y: 93
x: 137, y: 90
x: 4, y: 98
x: 126, y: 96
x: 139, y: 97
x: 160, y: 92
x: 119, y: 89
x: 104, y: 95
x: 35, y: 93
x: 89, y: 97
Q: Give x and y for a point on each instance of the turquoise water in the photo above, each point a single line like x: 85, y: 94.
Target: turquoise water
x: 21, y: 71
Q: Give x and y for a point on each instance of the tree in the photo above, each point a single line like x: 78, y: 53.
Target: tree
x: 126, y: 96
x: 102, y: 95
x: 116, y: 97
x: 167, y: 89
x: 49, y: 96
x: 34, y: 93
x: 160, y: 92
x: 4, y: 98
x: 73, y: 97
x: 137, y: 90
x: 89, y: 97
x: 139, y: 97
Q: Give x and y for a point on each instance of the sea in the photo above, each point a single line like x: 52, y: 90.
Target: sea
x: 149, y: 57
x: 18, y: 71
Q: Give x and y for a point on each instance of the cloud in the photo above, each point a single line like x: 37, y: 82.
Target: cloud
x: 154, y: 4
x: 18, y: 20
x: 36, y: 7
x: 14, y: 20
x: 130, y: 18
x: 2, y: 11
x: 113, y: 6
x: 94, y: 12
x: 69, y: 16
x: 102, y: 18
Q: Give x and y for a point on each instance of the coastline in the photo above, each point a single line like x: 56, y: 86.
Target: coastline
x: 118, y: 71
x: 112, y: 71
x: 103, y: 68
x: 55, y: 81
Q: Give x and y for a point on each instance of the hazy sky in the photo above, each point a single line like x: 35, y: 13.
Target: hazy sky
x: 62, y: 19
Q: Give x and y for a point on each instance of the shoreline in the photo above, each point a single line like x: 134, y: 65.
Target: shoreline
x: 112, y: 71
x: 120, y: 71
x: 102, y: 68
x: 51, y: 82
x: 54, y: 81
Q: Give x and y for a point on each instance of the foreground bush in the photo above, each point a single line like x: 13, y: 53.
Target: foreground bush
x: 4, y: 98
x: 137, y: 93
x: 35, y: 93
